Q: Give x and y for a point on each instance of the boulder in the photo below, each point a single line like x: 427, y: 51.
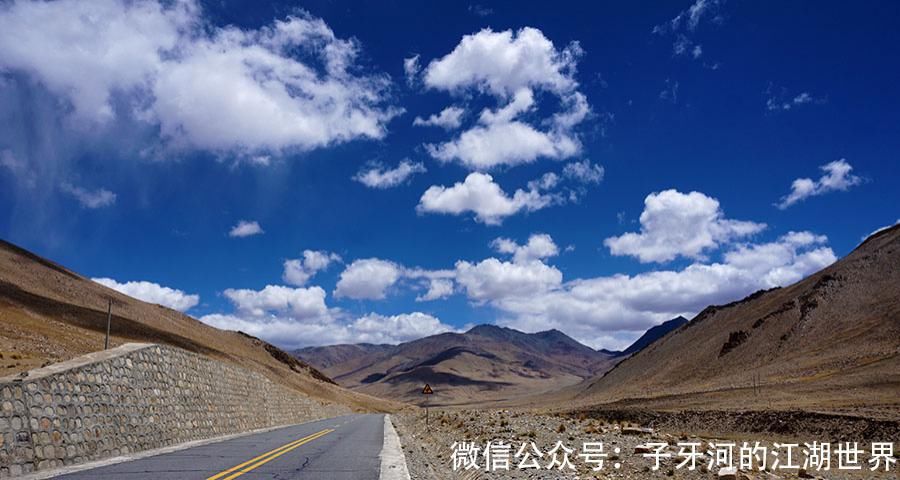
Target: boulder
x: 728, y: 473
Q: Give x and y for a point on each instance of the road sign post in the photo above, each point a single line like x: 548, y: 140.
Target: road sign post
x: 427, y: 391
x: 108, y: 323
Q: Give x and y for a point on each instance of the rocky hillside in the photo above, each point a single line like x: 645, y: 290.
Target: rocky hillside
x: 827, y: 343
x: 486, y: 363
x: 50, y: 314
x: 653, y: 334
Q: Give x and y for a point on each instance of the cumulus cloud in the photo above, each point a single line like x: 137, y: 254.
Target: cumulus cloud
x: 305, y: 303
x: 153, y: 293
x: 90, y: 199
x: 449, y: 118
x: 486, y: 146
x: 538, y: 247
x: 677, y: 224
x: 837, y: 177
x: 375, y: 328
x: 480, y: 195
x: 437, y: 288
x: 378, y: 177
x: 368, y: 279
x: 290, y: 332
x: 165, y: 65
x: 298, y: 271
x: 296, y: 317
x: 492, y: 280
x: 607, y: 310
x: 510, y: 67
x: 245, y: 228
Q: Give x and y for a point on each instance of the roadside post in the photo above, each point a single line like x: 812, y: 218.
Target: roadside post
x: 427, y: 391
x: 108, y: 323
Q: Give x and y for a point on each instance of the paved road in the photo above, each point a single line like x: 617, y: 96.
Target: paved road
x: 340, y: 448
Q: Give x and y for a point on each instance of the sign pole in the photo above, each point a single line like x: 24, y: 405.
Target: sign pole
x: 427, y: 391
x: 108, y: 322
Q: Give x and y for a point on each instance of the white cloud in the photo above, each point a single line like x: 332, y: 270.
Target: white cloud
x: 492, y: 279
x: 584, y: 172
x: 439, y: 283
x: 684, y: 25
x: 368, y: 279
x: 296, y: 317
x: 510, y: 67
x: 501, y: 63
x: 90, y: 199
x: 375, y: 328
x: 837, y: 177
x: 379, y: 177
x: 245, y: 229
x: 291, y: 333
x: 449, y: 118
x: 298, y: 271
x: 485, y: 147
x: 411, y: 68
x: 676, y: 224
x: 304, y: 303
x: 437, y: 288
x: 779, y: 99
x: 480, y: 195
x: 153, y: 293
x: 289, y: 85
x: 595, y: 309
x: 540, y: 246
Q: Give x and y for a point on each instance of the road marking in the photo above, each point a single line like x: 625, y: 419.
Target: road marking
x: 238, y: 470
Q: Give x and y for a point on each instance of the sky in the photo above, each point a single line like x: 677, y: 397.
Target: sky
x: 339, y: 172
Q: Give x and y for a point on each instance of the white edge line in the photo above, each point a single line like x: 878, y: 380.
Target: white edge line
x: 393, y: 462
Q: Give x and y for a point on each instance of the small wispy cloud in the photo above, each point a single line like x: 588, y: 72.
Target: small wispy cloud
x: 779, y: 100
x: 90, y: 199
x: 837, y: 177
x: 245, y: 229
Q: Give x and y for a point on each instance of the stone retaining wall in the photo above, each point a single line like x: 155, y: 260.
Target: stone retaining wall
x: 132, y: 398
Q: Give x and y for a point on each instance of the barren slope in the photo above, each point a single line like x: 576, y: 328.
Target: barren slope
x: 49, y: 314
x: 827, y: 343
x: 487, y: 363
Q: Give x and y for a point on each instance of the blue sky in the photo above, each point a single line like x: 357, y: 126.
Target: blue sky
x: 597, y: 168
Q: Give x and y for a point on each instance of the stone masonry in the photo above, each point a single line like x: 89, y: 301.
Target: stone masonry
x: 132, y: 398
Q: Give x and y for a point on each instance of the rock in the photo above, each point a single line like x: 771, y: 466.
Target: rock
x: 636, y: 431
x: 728, y: 473
x: 804, y: 474
x: 642, y: 449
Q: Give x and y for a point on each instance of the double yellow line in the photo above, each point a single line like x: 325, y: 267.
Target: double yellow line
x: 238, y: 470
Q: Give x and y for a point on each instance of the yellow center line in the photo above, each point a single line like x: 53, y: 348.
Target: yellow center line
x: 266, y: 457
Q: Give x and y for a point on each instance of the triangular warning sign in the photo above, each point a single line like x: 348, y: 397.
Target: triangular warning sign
x: 427, y: 390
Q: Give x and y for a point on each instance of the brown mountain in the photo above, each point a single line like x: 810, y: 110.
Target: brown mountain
x: 49, y: 314
x: 654, y: 334
x: 484, y: 364
x: 330, y: 356
x: 828, y: 343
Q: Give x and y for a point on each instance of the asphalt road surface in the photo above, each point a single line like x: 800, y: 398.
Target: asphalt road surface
x: 340, y: 448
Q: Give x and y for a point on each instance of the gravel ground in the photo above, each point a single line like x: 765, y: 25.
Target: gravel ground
x: 429, y: 453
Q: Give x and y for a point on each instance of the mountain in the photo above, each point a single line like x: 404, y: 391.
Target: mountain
x: 486, y: 363
x: 829, y: 343
x: 333, y: 355
x: 654, y: 334
x: 50, y: 314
